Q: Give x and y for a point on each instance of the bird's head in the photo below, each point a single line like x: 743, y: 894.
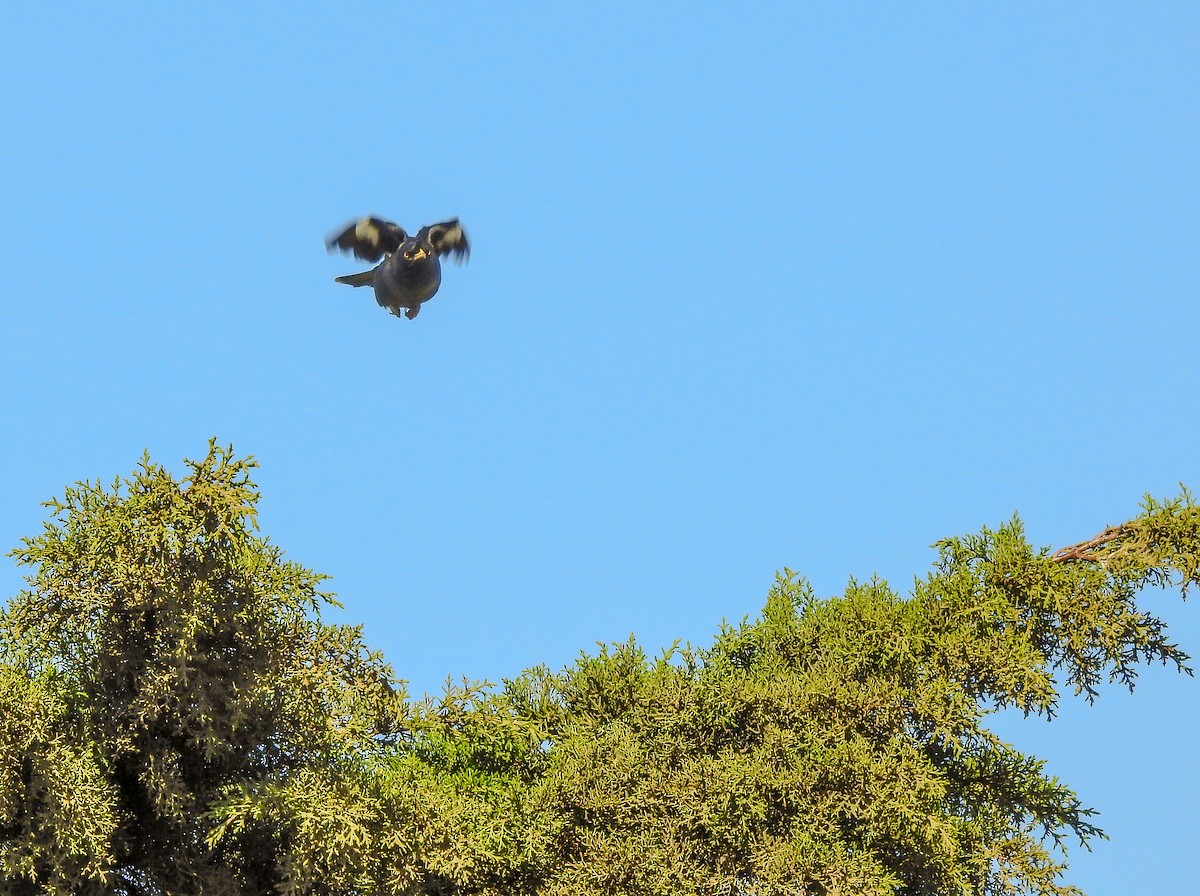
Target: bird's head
x: 412, y: 250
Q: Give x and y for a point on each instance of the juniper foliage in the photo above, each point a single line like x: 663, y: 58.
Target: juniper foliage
x: 177, y: 719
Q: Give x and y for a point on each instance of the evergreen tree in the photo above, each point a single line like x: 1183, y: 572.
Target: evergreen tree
x: 176, y: 719
x: 163, y: 654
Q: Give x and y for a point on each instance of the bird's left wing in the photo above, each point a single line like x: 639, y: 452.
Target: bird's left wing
x: 368, y: 238
x: 448, y: 238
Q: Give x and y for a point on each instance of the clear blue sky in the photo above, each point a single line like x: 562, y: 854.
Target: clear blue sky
x: 749, y: 288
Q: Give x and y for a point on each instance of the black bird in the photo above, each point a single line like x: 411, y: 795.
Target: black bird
x: 411, y: 271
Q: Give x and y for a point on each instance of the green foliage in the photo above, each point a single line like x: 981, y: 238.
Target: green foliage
x: 58, y: 812
x: 218, y: 738
x: 166, y: 653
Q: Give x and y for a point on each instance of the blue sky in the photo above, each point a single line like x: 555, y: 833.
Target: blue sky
x: 750, y: 286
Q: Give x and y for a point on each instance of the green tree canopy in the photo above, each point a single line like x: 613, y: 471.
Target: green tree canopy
x: 177, y: 719
x: 163, y: 654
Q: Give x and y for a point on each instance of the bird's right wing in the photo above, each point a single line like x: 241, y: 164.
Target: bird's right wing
x: 448, y: 237
x: 368, y: 238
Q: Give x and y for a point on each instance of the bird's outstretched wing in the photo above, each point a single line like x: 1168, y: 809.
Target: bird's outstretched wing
x: 368, y: 238
x: 448, y: 238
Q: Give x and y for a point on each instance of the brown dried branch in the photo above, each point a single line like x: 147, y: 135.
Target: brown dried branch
x: 1084, y: 549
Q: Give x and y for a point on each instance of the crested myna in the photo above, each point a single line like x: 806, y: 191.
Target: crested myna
x: 411, y: 271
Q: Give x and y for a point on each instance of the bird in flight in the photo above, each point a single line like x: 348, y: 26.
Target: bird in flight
x: 411, y: 270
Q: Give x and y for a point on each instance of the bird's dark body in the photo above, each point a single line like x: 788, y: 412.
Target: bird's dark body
x: 407, y: 284
x: 411, y: 270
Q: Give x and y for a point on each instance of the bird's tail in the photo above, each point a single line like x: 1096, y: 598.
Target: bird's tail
x: 366, y: 278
